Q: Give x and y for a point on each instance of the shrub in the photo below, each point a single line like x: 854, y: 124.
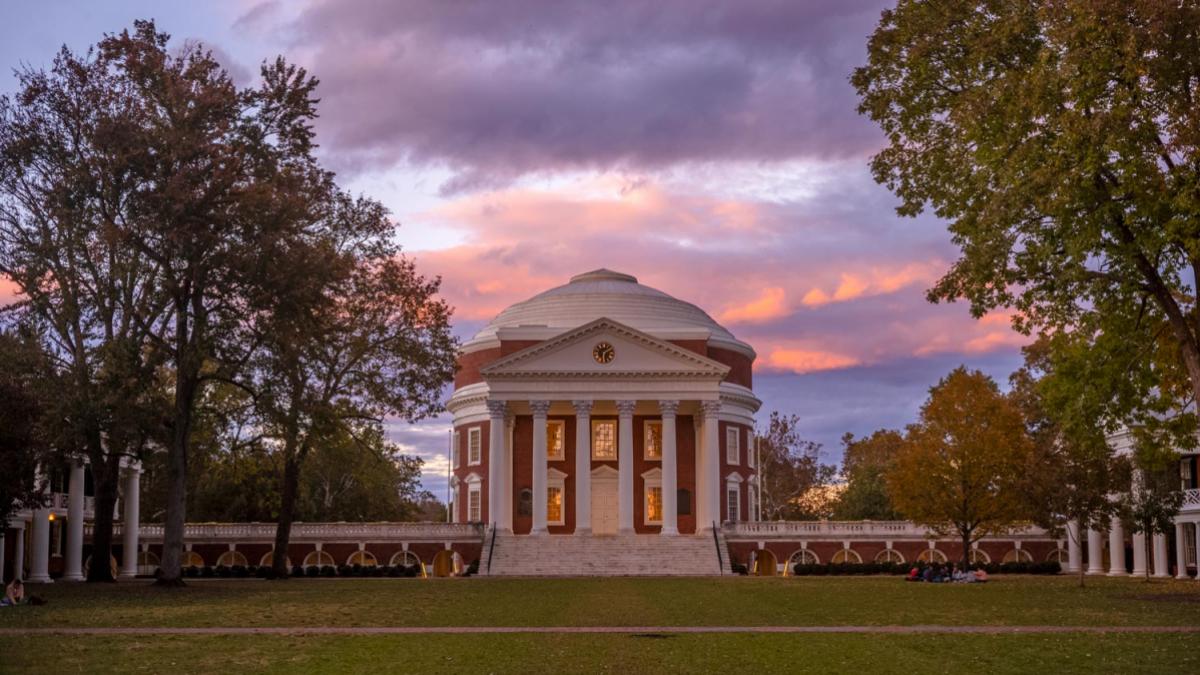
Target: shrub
x: 412, y: 571
x: 848, y: 569
x: 739, y: 568
x: 191, y: 571
x: 472, y: 568
x: 207, y: 571
x: 312, y: 571
x: 328, y: 571
x: 240, y: 571
x: 297, y: 570
x: 395, y: 571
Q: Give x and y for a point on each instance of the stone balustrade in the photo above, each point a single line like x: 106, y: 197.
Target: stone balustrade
x: 850, y: 529
x: 315, y: 532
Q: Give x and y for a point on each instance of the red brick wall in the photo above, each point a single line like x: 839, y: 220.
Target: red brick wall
x: 741, y: 467
x: 868, y: 550
x: 465, y: 469
x: 741, y: 367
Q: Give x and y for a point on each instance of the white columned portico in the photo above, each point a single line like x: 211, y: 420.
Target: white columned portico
x: 495, y: 487
x: 1139, y: 554
x: 539, y: 410
x: 1116, y: 549
x: 583, y: 467
x: 73, y: 565
x: 707, y: 485
x: 1074, y: 560
x: 1161, y: 568
x: 1095, y: 551
x: 1180, y: 542
x: 39, y: 559
x: 132, y: 522
x: 670, y: 471
x: 625, y: 466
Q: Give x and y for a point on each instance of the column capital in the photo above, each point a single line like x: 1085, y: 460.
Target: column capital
x: 625, y: 408
x: 668, y: 408
x: 539, y: 408
x: 583, y: 407
x: 496, y: 409
x: 710, y: 408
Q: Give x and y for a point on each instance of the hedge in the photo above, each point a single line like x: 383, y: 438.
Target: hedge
x: 852, y: 569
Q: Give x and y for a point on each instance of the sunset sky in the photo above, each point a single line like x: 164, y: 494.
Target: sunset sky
x: 716, y: 155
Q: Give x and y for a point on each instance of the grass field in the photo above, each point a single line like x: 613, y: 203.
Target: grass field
x: 872, y: 601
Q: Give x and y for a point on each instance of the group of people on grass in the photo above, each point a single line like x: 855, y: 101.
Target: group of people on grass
x: 937, y: 574
x: 14, y: 594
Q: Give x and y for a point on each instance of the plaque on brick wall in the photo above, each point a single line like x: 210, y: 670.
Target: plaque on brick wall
x: 683, y: 502
x: 525, y: 503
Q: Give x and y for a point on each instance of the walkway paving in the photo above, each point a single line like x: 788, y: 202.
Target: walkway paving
x: 624, y: 630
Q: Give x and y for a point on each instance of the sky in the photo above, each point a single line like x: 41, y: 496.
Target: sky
x: 712, y: 149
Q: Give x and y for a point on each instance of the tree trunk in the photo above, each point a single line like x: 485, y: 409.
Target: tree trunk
x: 187, y: 383
x: 104, y: 480
x: 966, y: 552
x: 1146, y: 545
x: 287, y: 511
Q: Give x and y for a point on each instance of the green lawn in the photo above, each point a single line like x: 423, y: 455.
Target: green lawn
x: 610, y: 602
x: 1160, y: 653
x: 616, y: 602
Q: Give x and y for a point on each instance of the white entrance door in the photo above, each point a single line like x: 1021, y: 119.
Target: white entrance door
x: 604, y: 506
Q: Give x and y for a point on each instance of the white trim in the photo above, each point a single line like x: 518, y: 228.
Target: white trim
x: 455, y: 450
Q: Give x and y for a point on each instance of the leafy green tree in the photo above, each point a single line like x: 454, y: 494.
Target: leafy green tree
x: 68, y: 183
x: 960, y: 466
x: 1059, y: 139
x: 1155, y: 500
x: 359, y: 477
x: 789, y: 469
x: 1074, y: 472
x: 865, y: 464
x: 23, y: 420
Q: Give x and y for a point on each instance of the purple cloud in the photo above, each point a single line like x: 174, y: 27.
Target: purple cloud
x: 498, y: 90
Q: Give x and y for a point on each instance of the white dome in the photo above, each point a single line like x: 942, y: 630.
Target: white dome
x: 603, y: 293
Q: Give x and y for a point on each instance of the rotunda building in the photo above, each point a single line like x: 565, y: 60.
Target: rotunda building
x: 604, y: 407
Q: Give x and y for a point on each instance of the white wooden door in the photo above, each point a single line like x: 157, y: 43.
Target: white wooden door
x: 604, y: 507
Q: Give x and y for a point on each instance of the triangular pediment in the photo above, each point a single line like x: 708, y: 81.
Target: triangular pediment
x: 633, y: 354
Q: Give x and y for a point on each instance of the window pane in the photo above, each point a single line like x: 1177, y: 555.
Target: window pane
x: 732, y: 499
x: 473, y: 506
x: 604, y: 440
x: 654, y: 505
x: 554, y: 504
x: 732, y: 443
x: 653, y: 440
x: 555, y: 440
x: 474, y: 440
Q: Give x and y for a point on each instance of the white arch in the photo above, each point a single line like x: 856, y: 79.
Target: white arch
x: 319, y: 559
x: 932, y: 555
x: 979, y: 557
x: 1017, y: 555
x: 803, y: 556
x: 846, y: 555
x: 890, y: 555
x: 406, y: 558
x: 364, y: 558
x: 231, y: 558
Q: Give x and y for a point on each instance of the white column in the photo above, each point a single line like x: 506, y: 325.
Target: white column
x: 74, y: 559
x: 131, y: 523
x: 1095, y: 551
x: 1116, y: 549
x: 495, y: 481
x: 506, y: 509
x: 1074, y: 560
x: 670, y: 471
x: 583, y: 467
x: 539, y: 408
x: 1161, y: 568
x: 1139, y: 554
x: 625, y: 466
x: 1180, y: 560
x: 19, y: 553
x: 1197, y: 540
x: 708, y: 492
x: 39, y: 563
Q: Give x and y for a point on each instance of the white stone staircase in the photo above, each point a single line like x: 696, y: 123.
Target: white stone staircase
x: 566, y: 555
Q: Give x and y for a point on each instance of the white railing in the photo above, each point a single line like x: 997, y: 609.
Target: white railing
x: 315, y: 532
x: 854, y: 529
x: 1191, y: 500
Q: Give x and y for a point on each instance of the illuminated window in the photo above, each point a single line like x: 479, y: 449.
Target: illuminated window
x: 474, y: 504
x: 556, y: 439
x: 604, y: 439
x: 654, y: 504
x: 846, y: 556
x: 733, y: 446
x: 363, y: 558
x: 653, y: 440
x: 318, y: 559
x: 554, y: 505
x: 474, y: 445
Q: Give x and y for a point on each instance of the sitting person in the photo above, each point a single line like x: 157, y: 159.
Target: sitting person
x: 14, y: 594
x: 957, y: 574
x: 981, y: 576
x: 928, y: 574
x: 913, y: 575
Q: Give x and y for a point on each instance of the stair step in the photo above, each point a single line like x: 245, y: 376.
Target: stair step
x: 621, y: 555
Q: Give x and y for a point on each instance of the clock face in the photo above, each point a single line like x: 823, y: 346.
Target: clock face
x: 603, y: 353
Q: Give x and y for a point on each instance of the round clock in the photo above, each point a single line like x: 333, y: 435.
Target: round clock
x: 603, y: 353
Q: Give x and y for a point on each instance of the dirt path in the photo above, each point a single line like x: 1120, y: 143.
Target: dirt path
x: 627, y: 630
